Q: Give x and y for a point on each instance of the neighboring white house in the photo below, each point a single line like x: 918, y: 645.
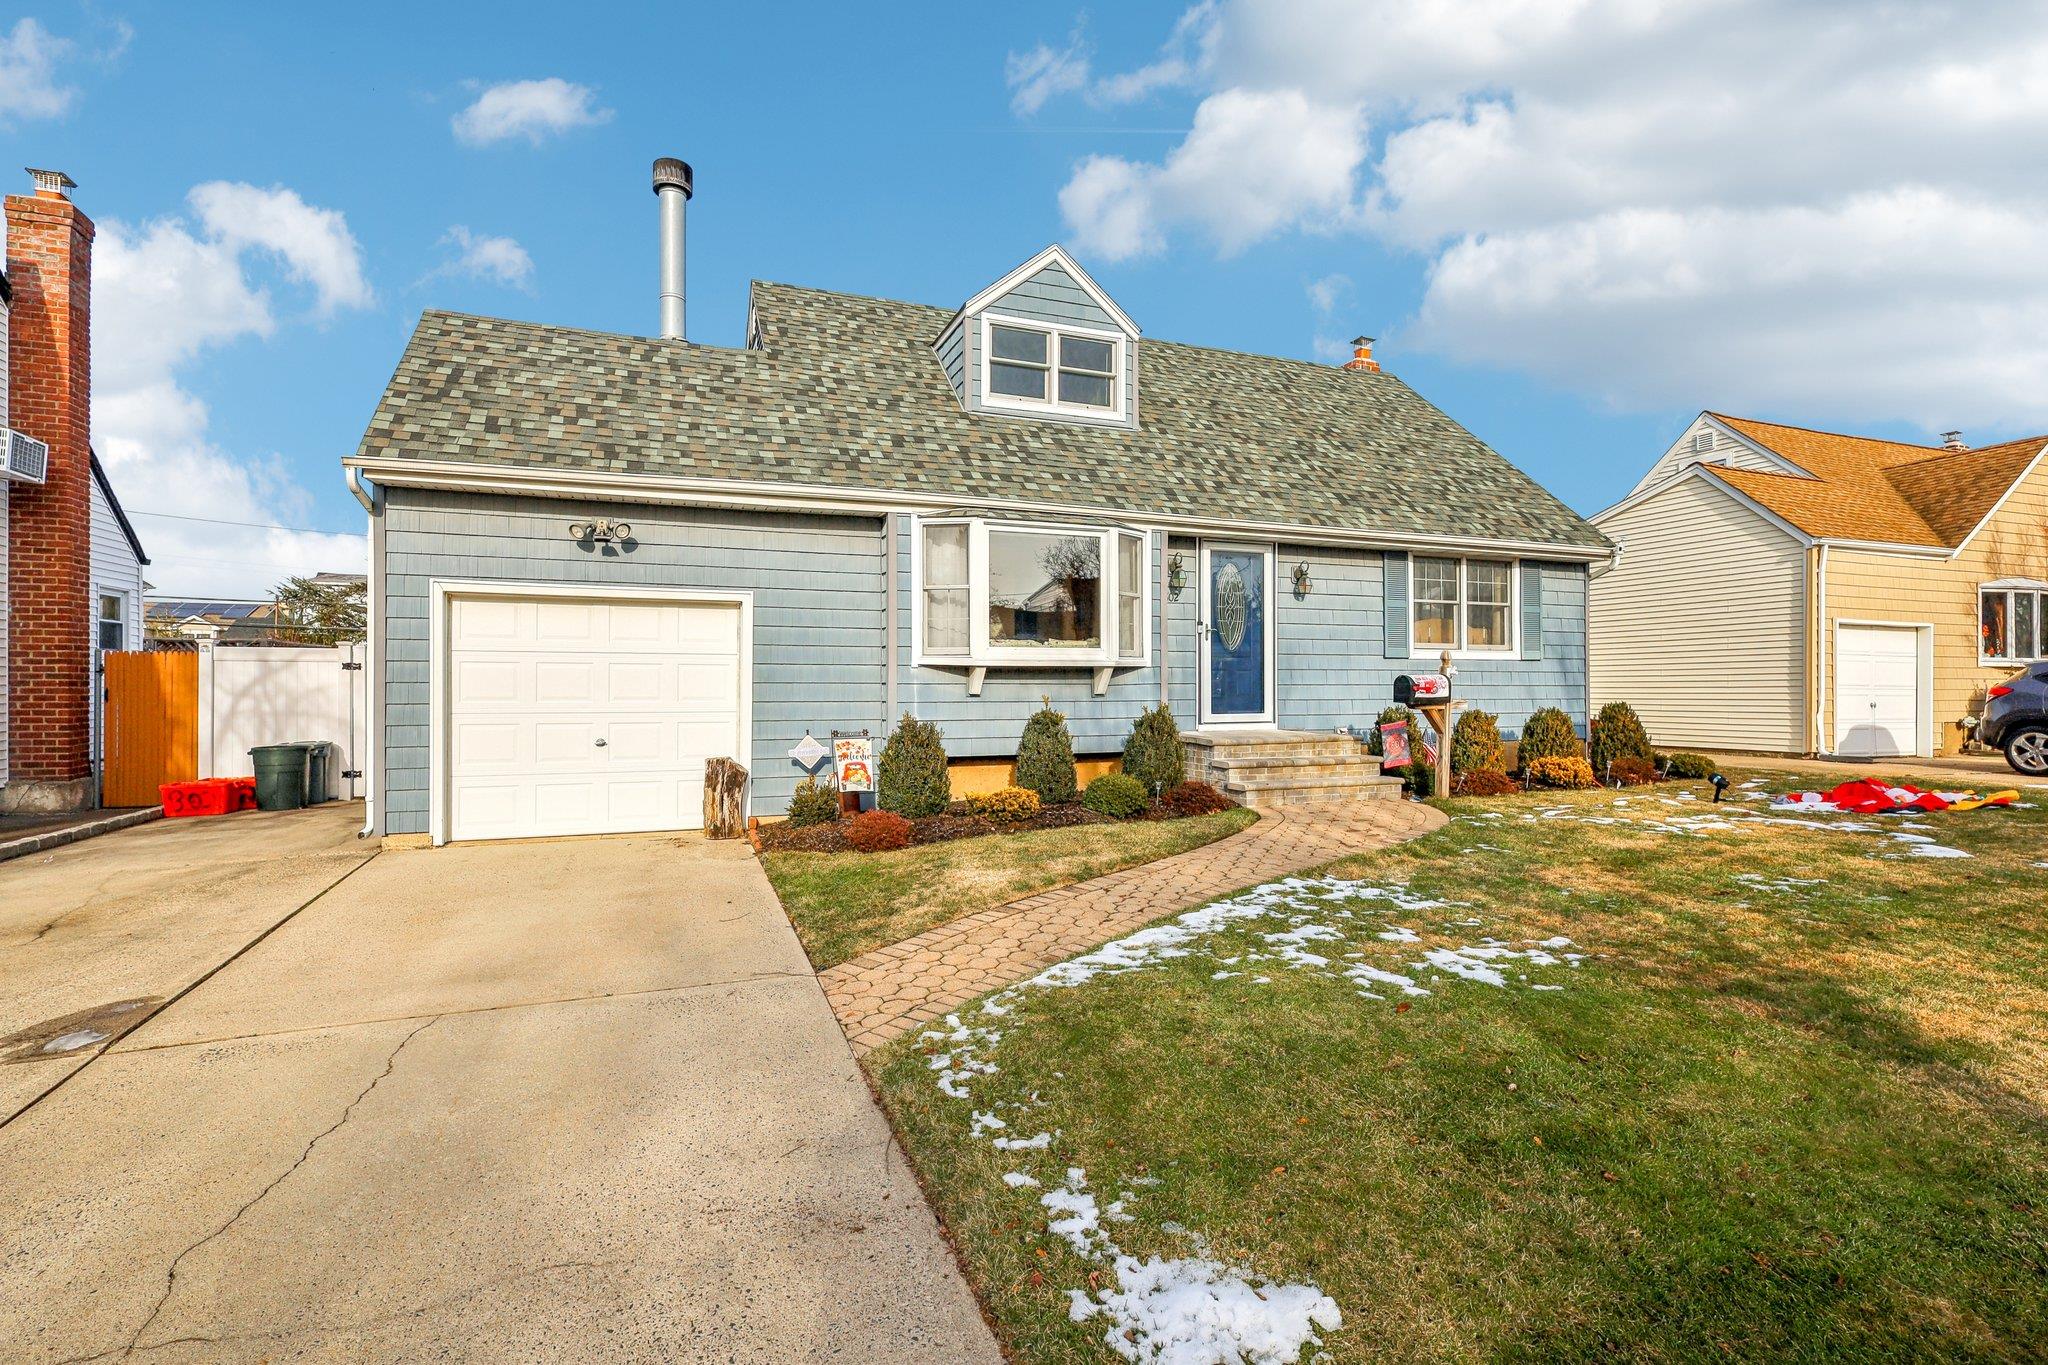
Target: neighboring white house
x: 117, y: 589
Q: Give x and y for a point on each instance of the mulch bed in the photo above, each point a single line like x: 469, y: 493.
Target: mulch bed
x: 956, y: 823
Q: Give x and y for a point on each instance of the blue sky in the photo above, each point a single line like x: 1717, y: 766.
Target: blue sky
x: 1548, y: 248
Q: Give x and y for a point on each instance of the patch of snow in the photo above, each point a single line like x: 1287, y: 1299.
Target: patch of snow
x: 1017, y: 1180
x: 1936, y: 851
x: 984, y: 1123
x: 1036, y: 1143
x: 1194, y: 1311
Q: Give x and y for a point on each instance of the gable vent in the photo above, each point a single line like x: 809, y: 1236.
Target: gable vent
x: 28, y: 460
x: 1702, y: 442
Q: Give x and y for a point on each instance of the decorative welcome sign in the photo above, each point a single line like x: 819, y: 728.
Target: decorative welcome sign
x: 853, y: 760
x: 808, y: 753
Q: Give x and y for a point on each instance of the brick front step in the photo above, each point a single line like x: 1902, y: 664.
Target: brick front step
x: 1266, y: 793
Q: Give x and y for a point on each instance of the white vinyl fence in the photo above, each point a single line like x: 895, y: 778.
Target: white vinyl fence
x: 278, y: 694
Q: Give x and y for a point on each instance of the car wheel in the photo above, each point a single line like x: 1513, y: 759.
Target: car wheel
x: 2027, y: 750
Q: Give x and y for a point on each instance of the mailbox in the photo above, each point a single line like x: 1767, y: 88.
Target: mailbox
x: 1422, y: 689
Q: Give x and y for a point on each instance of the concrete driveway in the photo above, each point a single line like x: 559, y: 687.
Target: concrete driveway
x: 544, y: 1100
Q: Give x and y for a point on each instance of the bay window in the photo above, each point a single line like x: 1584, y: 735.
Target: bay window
x: 1466, y: 606
x: 1018, y: 593
x: 1029, y: 365
x: 2012, y: 619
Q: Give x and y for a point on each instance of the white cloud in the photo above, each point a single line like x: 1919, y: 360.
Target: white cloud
x: 1036, y: 76
x: 529, y: 109
x: 1256, y: 161
x: 1326, y: 293
x: 29, y: 88
x: 165, y: 293
x: 1823, y: 209
x: 314, y: 244
x: 494, y: 260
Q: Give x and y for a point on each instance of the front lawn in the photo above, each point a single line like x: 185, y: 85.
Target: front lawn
x: 1577, y: 1076
x: 846, y: 904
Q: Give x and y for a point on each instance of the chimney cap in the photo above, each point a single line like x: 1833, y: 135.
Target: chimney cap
x: 1363, y: 341
x: 53, y: 182
x: 673, y: 173
x: 1952, y: 440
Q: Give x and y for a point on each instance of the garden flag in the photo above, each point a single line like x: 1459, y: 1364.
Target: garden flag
x: 1394, y: 744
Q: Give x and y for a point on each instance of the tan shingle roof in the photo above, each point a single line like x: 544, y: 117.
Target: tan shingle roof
x: 1890, y: 491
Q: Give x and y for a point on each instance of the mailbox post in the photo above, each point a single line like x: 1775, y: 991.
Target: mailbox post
x: 1429, y: 695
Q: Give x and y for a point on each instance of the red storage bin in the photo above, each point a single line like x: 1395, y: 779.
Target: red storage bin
x: 208, y: 796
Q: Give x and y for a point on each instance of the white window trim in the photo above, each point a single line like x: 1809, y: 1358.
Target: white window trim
x: 1511, y: 650
x: 442, y: 593
x: 1001, y: 402
x: 2009, y: 586
x: 980, y: 652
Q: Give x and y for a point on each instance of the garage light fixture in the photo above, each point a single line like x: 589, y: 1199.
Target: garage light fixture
x: 602, y: 531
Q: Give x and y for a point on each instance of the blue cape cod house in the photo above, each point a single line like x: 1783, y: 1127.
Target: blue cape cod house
x: 599, y: 560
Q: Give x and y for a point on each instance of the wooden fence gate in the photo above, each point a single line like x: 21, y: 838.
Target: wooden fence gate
x: 151, y: 733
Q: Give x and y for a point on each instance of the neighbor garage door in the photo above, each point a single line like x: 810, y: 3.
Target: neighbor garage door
x: 1877, y: 690
x: 586, y: 717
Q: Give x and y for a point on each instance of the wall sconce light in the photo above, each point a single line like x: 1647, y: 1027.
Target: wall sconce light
x: 1176, y: 575
x: 1300, y: 577
x: 602, y: 531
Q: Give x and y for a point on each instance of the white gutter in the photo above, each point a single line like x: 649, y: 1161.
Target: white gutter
x: 661, y: 488
x: 373, y: 738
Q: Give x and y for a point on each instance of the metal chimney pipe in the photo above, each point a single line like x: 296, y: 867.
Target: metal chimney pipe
x: 673, y: 187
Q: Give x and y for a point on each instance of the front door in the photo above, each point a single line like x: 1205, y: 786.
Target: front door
x: 1237, y: 643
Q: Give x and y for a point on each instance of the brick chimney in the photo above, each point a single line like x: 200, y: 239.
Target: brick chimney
x: 1361, y: 356
x: 49, y: 525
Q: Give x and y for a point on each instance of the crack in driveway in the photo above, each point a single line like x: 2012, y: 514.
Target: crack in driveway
x: 171, y: 1274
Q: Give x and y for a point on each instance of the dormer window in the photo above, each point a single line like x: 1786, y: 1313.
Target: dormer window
x: 1035, y: 367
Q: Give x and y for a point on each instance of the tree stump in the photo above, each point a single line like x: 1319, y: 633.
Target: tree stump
x: 725, y: 786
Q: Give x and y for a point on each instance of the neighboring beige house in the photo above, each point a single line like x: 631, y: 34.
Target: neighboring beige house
x: 1794, y: 591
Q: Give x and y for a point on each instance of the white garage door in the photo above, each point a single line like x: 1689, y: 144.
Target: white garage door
x: 1877, y: 691
x: 574, y: 717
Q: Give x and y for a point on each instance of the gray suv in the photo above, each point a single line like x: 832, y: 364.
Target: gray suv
x: 2016, y: 720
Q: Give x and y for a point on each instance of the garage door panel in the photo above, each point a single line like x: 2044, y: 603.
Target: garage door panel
x: 585, y: 718
x: 1877, y: 691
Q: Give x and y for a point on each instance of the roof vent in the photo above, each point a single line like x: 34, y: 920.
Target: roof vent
x: 1952, y: 440
x: 28, y: 460
x: 673, y: 185
x: 1702, y: 442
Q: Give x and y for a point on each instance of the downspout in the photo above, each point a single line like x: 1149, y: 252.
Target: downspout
x: 1821, y: 746
x: 373, y: 742
x: 890, y: 643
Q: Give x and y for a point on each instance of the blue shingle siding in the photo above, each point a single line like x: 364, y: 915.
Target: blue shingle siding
x: 952, y: 351
x: 818, y: 603
x: 1512, y: 688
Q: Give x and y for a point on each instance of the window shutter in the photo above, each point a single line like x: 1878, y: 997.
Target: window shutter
x: 1394, y: 594
x: 1532, y: 610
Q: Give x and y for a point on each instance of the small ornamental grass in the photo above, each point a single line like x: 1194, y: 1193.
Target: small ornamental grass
x: 1690, y: 767
x: 1117, y: 795
x: 1548, y: 733
x: 1618, y: 733
x: 878, y: 831
x: 1005, y: 806
x: 813, y: 803
x: 911, y: 778
x: 1045, y: 757
x: 1572, y: 774
x: 1153, y: 756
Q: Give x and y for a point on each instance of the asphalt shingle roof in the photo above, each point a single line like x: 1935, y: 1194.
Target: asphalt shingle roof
x: 844, y: 391
x: 1863, y: 489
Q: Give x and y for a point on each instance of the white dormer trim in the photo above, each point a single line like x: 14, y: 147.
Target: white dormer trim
x: 1052, y: 255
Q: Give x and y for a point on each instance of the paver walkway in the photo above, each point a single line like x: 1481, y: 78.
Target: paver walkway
x: 888, y: 992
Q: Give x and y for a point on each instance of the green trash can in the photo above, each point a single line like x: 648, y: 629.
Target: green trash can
x: 318, y: 753
x: 280, y: 776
